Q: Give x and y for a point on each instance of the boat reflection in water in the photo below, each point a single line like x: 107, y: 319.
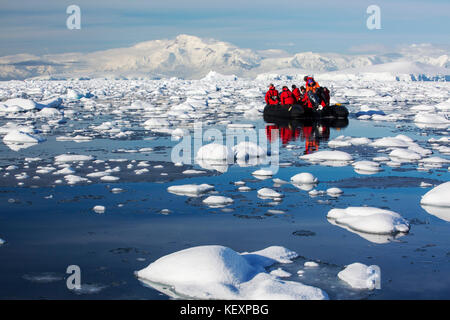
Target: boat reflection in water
x: 313, y: 132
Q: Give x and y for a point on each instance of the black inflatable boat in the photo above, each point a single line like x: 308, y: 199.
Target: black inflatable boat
x: 298, y: 111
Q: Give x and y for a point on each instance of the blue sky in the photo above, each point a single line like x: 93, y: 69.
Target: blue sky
x: 39, y: 26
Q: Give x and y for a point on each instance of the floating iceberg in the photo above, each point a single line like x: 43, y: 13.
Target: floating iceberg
x: 217, y: 272
x: 217, y: 201
x: 193, y: 190
x: 367, y: 221
x: 358, y: 276
x: 438, y: 196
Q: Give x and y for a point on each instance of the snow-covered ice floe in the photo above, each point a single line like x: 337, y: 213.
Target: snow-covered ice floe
x: 334, y: 192
x: 217, y: 201
x: 191, y: 190
x: 437, y: 201
x: 72, y: 158
x: 214, y: 156
x: 17, y: 140
x: 329, y: 158
x: 267, y: 193
x: 218, y: 272
x: 438, y: 196
x: 304, y: 181
x: 373, y: 224
x: 366, y: 167
x: 304, y: 178
x: 358, y: 276
x: 262, y: 174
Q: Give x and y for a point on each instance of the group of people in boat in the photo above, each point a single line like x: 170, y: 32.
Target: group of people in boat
x: 311, y: 95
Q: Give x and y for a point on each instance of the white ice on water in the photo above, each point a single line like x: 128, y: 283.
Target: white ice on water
x: 217, y: 201
x: 267, y: 193
x: 358, y: 276
x: 218, y: 272
x: 438, y: 196
x: 304, y: 178
x: 369, y: 220
x: 192, y: 190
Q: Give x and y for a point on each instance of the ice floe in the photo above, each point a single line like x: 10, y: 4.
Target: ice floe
x: 217, y: 201
x: 190, y: 189
x: 438, y: 196
x: 328, y: 157
x: 72, y: 158
x: 367, y: 221
x: 267, y: 193
x: 217, y: 272
x: 358, y: 276
x: 366, y: 167
x: 304, y: 178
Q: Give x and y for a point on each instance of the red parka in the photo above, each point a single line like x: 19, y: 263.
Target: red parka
x: 272, y: 96
x: 297, y: 94
x: 287, y: 97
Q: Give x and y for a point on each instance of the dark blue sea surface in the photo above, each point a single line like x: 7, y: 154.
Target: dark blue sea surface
x: 48, y: 228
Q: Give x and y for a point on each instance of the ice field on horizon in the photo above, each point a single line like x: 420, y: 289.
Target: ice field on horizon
x: 96, y: 165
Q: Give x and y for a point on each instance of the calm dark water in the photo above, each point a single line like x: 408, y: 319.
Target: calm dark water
x: 45, y: 235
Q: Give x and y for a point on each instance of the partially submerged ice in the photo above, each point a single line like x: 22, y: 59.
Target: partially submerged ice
x: 218, y: 272
x: 217, y: 201
x: 374, y: 224
x: 358, y: 276
x: 193, y: 190
x: 437, y: 201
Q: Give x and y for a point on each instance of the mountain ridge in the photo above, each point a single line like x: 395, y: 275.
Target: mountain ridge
x: 191, y: 57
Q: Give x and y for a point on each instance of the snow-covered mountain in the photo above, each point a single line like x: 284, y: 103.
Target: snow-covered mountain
x: 192, y: 57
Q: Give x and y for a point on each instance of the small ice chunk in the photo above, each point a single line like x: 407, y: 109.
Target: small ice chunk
x: 165, y: 211
x: 327, y: 155
x: 358, y: 276
x: 404, y: 154
x: 425, y: 185
x: 315, y: 193
x: 304, y: 178
x: 72, y: 158
x: 73, y: 179
x: 266, y: 193
x: 190, y: 189
x: 366, y: 167
x: 214, y: 151
x: 192, y: 172
x: 99, y: 209
x: 109, y: 178
x: 263, y: 173
x: 334, y: 192
x: 311, y: 264
x: 217, y: 201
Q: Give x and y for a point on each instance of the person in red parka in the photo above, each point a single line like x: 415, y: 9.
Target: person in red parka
x: 287, y: 97
x: 296, y: 93
x: 272, y: 96
x: 304, y: 98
